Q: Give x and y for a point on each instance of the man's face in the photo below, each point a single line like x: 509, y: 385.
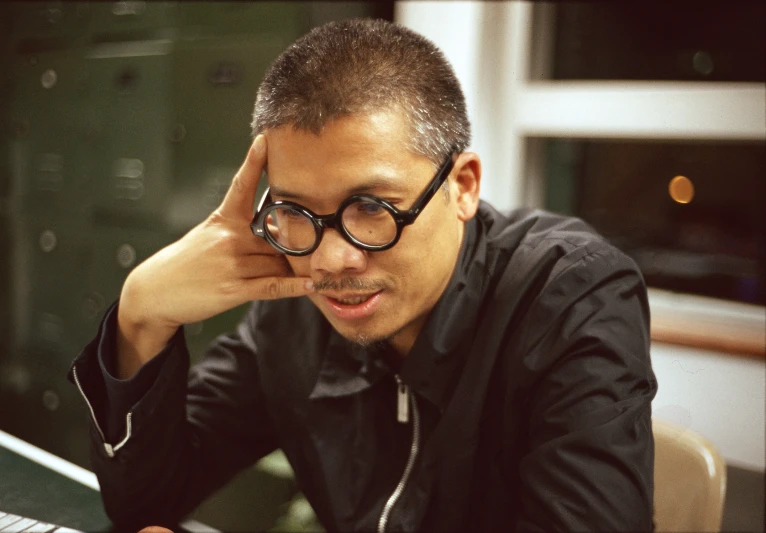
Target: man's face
x: 368, y: 296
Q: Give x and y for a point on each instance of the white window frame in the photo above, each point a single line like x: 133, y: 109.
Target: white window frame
x: 647, y: 110
x: 502, y: 53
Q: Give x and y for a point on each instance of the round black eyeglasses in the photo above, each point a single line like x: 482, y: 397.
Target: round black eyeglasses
x: 366, y: 221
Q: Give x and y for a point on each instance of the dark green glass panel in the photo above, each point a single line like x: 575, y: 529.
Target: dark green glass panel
x: 129, y: 96
x: 712, y: 245
x: 131, y: 19
x: 283, y: 20
x: 689, y: 41
x: 49, y: 19
x: 49, y: 132
x: 32, y: 490
x: 214, y: 86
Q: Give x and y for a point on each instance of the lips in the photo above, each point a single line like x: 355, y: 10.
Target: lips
x: 349, y: 306
x: 352, y: 300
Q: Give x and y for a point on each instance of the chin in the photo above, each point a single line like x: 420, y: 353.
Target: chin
x: 364, y: 337
x: 361, y: 336
x: 369, y: 343
x: 366, y: 333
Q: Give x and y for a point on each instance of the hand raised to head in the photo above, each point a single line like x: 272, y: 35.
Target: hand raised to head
x: 240, y: 197
x: 215, y: 267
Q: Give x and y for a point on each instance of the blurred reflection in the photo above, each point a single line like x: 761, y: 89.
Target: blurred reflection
x: 712, y: 246
x: 681, y: 189
x: 711, y: 41
x: 123, y: 124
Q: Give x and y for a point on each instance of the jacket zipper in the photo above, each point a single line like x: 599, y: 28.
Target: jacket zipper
x: 108, y: 448
x: 403, y: 398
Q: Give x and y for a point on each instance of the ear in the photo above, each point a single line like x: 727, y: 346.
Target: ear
x: 465, y: 180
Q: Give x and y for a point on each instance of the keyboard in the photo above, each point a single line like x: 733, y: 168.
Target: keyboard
x: 11, y: 523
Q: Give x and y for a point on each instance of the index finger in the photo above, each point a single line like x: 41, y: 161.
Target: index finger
x: 240, y: 197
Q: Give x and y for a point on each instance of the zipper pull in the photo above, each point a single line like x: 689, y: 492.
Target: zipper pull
x: 402, y: 401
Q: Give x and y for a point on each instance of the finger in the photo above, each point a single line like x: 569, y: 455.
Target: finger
x: 257, y: 246
x: 263, y: 266
x: 260, y: 246
x: 275, y: 287
x: 240, y: 197
x: 252, y: 245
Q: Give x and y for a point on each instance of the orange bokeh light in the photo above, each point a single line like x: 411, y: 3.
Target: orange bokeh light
x: 681, y: 189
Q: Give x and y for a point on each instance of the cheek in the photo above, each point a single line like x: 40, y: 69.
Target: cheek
x: 437, y: 238
x: 424, y: 258
x: 437, y: 249
x: 301, y: 265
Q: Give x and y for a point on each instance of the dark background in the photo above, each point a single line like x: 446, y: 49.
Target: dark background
x: 715, y: 245
x: 121, y: 125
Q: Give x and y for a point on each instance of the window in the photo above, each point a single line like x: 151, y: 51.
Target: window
x: 626, y: 105
x: 694, y: 41
x: 690, y: 214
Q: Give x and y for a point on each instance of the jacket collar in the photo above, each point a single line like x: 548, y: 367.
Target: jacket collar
x: 346, y: 368
x: 433, y: 365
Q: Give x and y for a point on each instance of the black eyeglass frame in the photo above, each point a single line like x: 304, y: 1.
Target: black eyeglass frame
x: 335, y: 221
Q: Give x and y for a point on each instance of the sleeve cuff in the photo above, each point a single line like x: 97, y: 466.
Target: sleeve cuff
x: 123, y: 394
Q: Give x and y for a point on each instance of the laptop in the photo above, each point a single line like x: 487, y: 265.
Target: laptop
x: 12, y: 523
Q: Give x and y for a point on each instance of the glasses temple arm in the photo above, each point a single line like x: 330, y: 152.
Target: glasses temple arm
x: 437, y: 182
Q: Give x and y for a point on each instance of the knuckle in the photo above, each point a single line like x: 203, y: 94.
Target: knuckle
x: 274, y: 289
x: 252, y: 155
x: 215, y: 219
x: 239, y: 265
x: 229, y: 288
x: 226, y: 240
x: 236, y: 183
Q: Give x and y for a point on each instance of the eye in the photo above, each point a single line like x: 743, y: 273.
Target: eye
x: 290, y: 214
x: 369, y: 209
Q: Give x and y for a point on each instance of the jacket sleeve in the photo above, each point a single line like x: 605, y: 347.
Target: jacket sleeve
x: 122, y: 394
x: 589, y: 461
x: 186, y: 436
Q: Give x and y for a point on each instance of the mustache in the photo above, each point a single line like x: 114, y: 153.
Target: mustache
x: 338, y: 284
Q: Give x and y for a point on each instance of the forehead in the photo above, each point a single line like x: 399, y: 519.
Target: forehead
x: 347, y: 152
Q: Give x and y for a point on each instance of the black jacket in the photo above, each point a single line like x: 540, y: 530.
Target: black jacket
x: 531, y: 400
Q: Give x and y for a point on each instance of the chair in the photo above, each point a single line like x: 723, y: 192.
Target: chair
x: 689, y: 480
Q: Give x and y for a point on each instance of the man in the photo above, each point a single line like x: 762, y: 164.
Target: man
x: 425, y: 362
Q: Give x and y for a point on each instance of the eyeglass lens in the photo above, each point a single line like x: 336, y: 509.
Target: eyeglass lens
x: 291, y: 229
x: 368, y: 222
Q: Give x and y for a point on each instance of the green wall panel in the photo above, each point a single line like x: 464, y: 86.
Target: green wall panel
x: 129, y: 91
x: 116, y: 251
x: 214, y: 86
x: 49, y: 20
x: 49, y: 130
x: 286, y: 20
x: 122, y: 124
x: 51, y: 255
x: 131, y: 19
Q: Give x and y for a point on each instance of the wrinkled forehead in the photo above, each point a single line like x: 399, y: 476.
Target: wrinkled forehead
x: 355, y: 153
x: 392, y: 124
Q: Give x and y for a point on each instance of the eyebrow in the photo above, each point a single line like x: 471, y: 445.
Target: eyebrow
x: 374, y: 184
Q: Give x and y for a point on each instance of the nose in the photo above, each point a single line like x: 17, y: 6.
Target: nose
x: 335, y: 255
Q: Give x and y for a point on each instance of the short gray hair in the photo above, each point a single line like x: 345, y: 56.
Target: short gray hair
x: 363, y: 66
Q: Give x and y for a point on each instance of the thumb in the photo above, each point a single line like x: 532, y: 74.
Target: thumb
x: 240, y: 197
x: 275, y: 287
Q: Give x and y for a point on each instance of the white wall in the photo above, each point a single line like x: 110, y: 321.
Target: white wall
x: 500, y: 52
x: 490, y: 45
x: 721, y: 396
x: 472, y: 37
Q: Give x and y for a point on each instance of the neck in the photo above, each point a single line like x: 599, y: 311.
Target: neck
x: 403, y: 340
